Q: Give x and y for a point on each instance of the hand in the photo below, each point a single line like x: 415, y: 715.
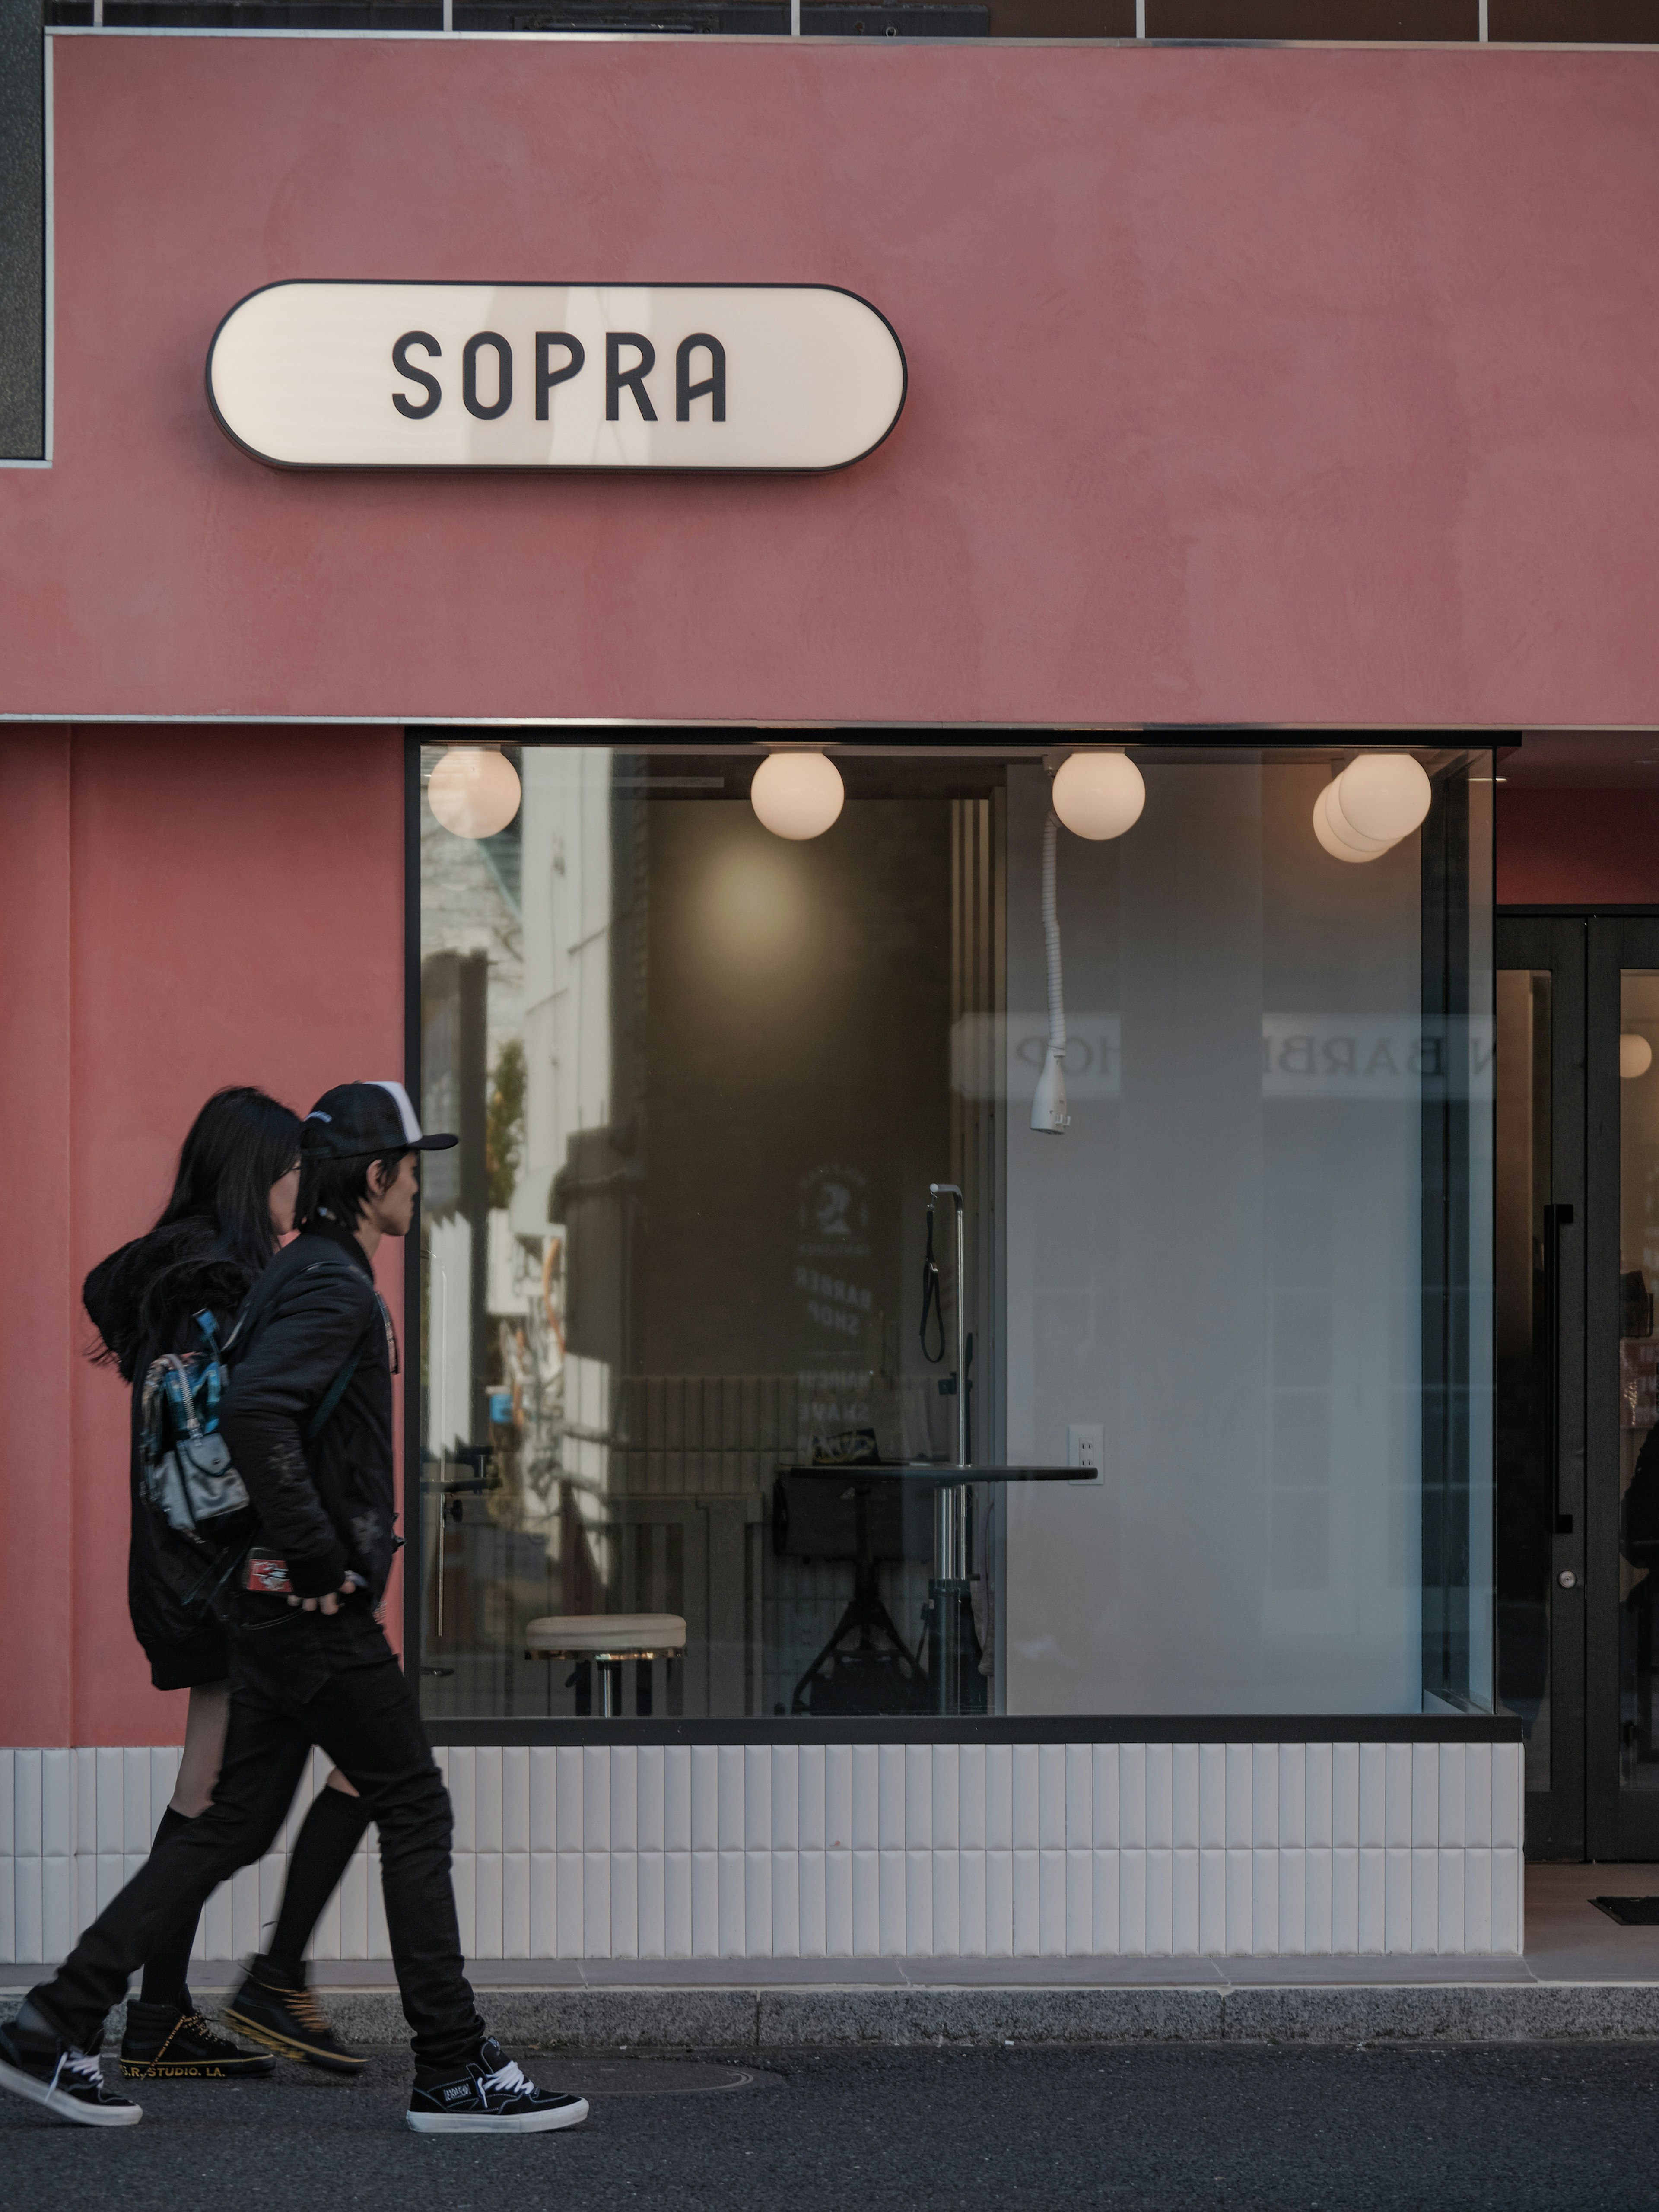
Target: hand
x: 330, y: 1603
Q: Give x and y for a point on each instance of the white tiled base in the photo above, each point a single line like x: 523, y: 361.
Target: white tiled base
x: 929, y: 1850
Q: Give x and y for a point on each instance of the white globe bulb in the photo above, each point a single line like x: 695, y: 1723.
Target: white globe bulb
x: 1330, y: 821
x: 474, y: 791
x: 1384, y: 795
x: 1339, y: 849
x: 796, y: 795
x: 1098, y: 794
x: 1635, y: 1056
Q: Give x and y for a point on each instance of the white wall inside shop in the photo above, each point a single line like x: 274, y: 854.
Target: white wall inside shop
x: 1219, y: 1263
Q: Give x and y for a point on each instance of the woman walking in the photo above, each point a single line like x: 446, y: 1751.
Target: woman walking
x: 232, y: 1203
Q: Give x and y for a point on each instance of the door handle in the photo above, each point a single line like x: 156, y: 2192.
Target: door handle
x: 1556, y: 1219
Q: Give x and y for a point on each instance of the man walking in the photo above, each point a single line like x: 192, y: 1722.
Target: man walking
x: 309, y: 1427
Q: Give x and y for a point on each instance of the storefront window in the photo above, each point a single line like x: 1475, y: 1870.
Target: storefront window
x: 682, y: 1423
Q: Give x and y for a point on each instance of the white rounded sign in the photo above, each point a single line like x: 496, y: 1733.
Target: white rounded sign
x: 330, y: 375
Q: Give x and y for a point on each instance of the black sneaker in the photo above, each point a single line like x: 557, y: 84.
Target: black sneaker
x: 286, y: 2019
x: 163, y: 2043
x: 488, y: 2095
x: 36, y: 2063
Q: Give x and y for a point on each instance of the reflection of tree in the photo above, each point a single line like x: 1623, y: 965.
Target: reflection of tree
x: 504, y: 1123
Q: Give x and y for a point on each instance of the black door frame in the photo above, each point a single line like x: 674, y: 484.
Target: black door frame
x: 1586, y: 1813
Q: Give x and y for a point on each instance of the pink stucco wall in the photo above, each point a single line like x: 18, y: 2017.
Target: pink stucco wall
x: 1309, y: 386
x: 180, y: 909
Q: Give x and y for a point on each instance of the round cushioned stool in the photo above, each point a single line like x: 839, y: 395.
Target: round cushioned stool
x: 607, y: 1641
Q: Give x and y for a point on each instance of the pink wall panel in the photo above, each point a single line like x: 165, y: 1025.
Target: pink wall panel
x: 1306, y: 385
x: 201, y: 907
x: 1570, y: 847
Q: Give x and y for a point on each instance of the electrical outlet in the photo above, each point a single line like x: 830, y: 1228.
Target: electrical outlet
x: 1084, y: 1442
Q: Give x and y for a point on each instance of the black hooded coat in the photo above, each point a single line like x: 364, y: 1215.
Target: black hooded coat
x: 142, y: 1301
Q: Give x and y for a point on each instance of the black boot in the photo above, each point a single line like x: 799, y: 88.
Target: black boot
x: 165, y: 2044
x: 285, y: 2016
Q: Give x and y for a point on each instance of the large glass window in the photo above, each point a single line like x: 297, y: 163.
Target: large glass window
x: 699, y: 1357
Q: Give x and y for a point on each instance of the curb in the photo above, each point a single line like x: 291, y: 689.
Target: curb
x: 784, y: 2018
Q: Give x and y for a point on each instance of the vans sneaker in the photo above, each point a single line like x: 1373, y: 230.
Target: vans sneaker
x: 284, y: 2017
x: 35, y: 2063
x: 163, y: 2043
x: 488, y: 2095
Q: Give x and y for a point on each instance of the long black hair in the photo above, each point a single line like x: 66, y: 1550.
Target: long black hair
x: 240, y: 1143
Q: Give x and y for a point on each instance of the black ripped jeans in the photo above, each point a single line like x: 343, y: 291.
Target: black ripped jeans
x: 297, y: 1680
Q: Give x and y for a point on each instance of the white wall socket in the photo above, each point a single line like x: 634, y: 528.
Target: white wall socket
x: 1084, y: 1442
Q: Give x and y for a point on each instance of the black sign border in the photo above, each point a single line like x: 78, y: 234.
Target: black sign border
x: 544, y: 468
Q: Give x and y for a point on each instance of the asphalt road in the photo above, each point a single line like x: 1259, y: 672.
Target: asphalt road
x: 1518, y: 2128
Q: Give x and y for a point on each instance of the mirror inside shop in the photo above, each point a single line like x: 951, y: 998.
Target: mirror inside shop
x: 954, y: 1229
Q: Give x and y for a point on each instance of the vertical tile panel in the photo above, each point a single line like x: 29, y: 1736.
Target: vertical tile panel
x: 1264, y: 1796
x: 971, y: 1895
x: 137, y: 1826
x: 917, y: 1827
x: 487, y: 1797
x: 1292, y: 1900
x: 487, y: 1902
x: 866, y: 1799
x: 1477, y: 1898
x: 596, y: 1798
x: 814, y: 1835
x: 1212, y: 1896
x: 112, y: 1813
x: 1132, y: 1797
x: 1264, y: 1887
x: 625, y: 1932
x: 785, y: 1896
x: 999, y: 1900
x: 1478, y: 1793
x: 1186, y: 1827
x: 1373, y: 1888
x: 1318, y: 1934
x: 1025, y: 1788
x: 1051, y: 1796
x: 1400, y: 1775
x: 1321, y: 1795
x: 28, y: 1939
x: 1373, y: 1794
x: 1080, y: 1904
x: 705, y: 1882
x: 1108, y: 1835
x: 1079, y: 1797
x: 649, y: 1804
x: 69, y: 1803
x: 1241, y: 1901
x: 544, y: 1792
x: 1160, y: 1796
x: 1449, y: 1796
x: 1160, y: 1902
x: 462, y: 1797
x: 838, y: 1903
x: 754, y: 1935
x: 999, y: 1796
x: 1025, y: 1897
x: 8, y: 1889
x: 1422, y: 1911
x: 567, y: 1909
x: 1507, y: 1813
x: 730, y: 1832
x: 1237, y: 1812
x: 971, y: 1800
x: 650, y: 1905
x: 1345, y: 1795
x: 1293, y: 1795
x: 1131, y: 1902
x: 1211, y: 1795
x: 1051, y: 1902
x: 944, y: 1780
x: 515, y: 1799
x: 677, y: 1797
x: 945, y: 1941
x: 785, y: 1811
x: 676, y: 1886
x: 1449, y: 1901
x: 867, y: 1891
x: 623, y: 1777
x: 1425, y: 1793
x: 705, y: 1799
x: 814, y: 1933
x: 1184, y: 1916
x: 1506, y: 1919
x: 568, y: 1805
x: 543, y: 1900
x: 916, y: 1885
x: 1345, y: 1900
x: 757, y: 1797
x: 597, y: 1867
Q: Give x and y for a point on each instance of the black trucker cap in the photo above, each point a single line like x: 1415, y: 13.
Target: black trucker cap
x: 365, y: 1121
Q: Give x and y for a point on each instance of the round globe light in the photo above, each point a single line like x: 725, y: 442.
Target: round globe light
x: 1384, y: 795
x: 1098, y: 795
x: 474, y: 791
x: 1340, y: 849
x: 1343, y: 830
x: 796, y: 795
x: 1635, y: 1056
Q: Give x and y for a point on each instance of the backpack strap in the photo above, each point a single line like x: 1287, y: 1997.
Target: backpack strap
x: 336, y: 1390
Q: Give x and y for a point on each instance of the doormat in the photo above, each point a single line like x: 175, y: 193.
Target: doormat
x: 1630, y: 1911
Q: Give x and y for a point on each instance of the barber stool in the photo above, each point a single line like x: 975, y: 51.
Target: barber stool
x: 606, y: 1641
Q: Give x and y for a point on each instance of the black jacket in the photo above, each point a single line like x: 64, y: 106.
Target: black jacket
x: 328, y: 1504
x: 142, y: 1300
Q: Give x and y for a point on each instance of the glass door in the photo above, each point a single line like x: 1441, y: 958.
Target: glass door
x: 1538, y: 1213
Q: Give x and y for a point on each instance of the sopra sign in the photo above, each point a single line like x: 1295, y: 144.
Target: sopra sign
x: 331, y: 375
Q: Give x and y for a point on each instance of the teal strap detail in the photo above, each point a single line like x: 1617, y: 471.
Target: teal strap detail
x: 336, y: 1390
